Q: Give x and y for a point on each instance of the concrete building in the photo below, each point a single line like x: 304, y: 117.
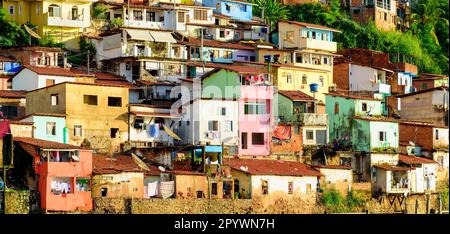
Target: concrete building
x: 49, y: 127
x: 382, y: 12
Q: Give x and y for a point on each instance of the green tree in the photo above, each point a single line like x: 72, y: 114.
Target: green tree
x: 271, y: 11
x: 11, y: 33
x: 427, y: 12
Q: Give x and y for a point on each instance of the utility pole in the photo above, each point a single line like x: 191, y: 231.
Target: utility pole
x: 88, y: 62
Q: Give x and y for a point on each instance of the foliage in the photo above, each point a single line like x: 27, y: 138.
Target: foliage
x: 424, y: 45
x: 271, y: 11
x: 80, y: 57
x: 116, y: 22
x: 49, y: 41
x: 11, y: 33
x: 335, y: 202
x: 99, y: 11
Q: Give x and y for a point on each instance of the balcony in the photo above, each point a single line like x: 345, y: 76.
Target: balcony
x: 143, y: 24
x: 61, y: 22
x: 308, y: 43
x: 311, y: 119
x: 382, y: 88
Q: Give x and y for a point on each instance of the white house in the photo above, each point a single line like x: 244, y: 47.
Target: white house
x: 210, y: 121
x: 365, y: 78
x: 423, y: 174
x: 31, y: 77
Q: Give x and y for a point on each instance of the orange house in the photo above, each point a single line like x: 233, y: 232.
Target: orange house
x: 63, y: 171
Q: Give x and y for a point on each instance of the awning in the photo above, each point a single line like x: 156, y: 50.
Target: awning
x: 31, y: 32
x: 142, y: 35
x: 163, y: 36
x: 171, y: 133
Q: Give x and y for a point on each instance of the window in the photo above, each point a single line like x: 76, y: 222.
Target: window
x: 54, y: 11
x: 114, y: 132
x: 336, y: 108
x: 244, y: 140
x: 60, y: 185
x: 227, y: 7
x: 385, y: 16
x: 137, y: 15
x: 255, y: 108
x: 244, y: 8
x: 228, y: 126
x: 77, y: 130
x: 213, y: 125
x: 49, y: 82
x: 51, y: 128
x: 304, y: 79
x: 309, y: 135
x: 90, y: 99
x: 289, y: 78
x: 214, y: 188
x: 290, y: 36
x: 74, y: 13
x: 54, y: 99
x: 308, y: 188
x: 150, y: 16
x: 424, y: 86
x: 114, y: 101
x: 325, y: 60
x: 181, y: 17
x: 11, y: 10
x: 222, y: 34
x: 437, y: 134
x: 104, y: 192
x: 223, y: 111
x: 83, y: 185
x: 324, y: 36
x: 265, y: 187
x: 364, y: 106
x: 313, y: 35
x: 382, y: 135
x: 321, y: 81
x: 290, y: 187
x: 228, y: 54
x: 257, y: 138
x: 355, y: 11
x: 200, y: 15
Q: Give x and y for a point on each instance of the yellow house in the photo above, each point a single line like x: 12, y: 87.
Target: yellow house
x: 61, y: 20
x: 95, y: 112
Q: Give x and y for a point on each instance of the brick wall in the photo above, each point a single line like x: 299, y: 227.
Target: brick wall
x: 368, y: 57
x: 341, y: 75
x: 422, y: 137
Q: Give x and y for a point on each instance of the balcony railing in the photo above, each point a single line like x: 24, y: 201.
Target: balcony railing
x: 81, y: 22
x: 311, y: 119
x: 308, y: 43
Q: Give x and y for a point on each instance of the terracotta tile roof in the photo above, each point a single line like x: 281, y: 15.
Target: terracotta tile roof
x: 221, y: 16
x: 101, y: 164
x: 44, y: 144
x: 296, y: 95
x: 211, y: 25
x: 352, y: 96
x: 183, y: 172
x: 117, y: 84
x: 157, y: 83
x: 424, y: 91
x: 218, y: 44
x: 16, y: 122
x: 107, y: 76
x: 242, y: 69
x: 343, y: 167
x: 125, y: 84
x: 272, y: 167
x: 429, y: 76
x: 6, y: 59
x: 421, y: 123
x: 308, y: 25
x: 377, y: 119
x: 392, y: 168
x: 57, y: 71
x: 12, y: 93
x: 3, y: 76
x: 414, y: 160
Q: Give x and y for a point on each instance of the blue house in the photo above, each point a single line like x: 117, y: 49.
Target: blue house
x: 220, y: 52
x: 236, y: 9
x: 48, y: 126
x: 8, y: 66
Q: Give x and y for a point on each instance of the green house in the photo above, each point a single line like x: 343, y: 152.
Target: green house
x: 292, y: 105
x: 372, y: 134
x: 342, y: 108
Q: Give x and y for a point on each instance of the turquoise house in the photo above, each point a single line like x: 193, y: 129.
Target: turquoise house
x: 375, y: 134
x: 50, y: 127
x: 293, y: 103
x: 236, y: 9
x: 342, y: 108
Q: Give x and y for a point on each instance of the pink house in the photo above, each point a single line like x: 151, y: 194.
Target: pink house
x: 255, y: 119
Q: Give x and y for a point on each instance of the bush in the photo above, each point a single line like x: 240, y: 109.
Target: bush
x: 335, y: 202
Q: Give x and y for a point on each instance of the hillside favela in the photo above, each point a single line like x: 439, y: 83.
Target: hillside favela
x: 224, y: 106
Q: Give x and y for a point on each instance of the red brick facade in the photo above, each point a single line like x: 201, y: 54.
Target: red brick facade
x: 419, y: 134
x: 341, y: 75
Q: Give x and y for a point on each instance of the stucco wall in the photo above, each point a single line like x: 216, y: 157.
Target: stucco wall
x: 123, y: 185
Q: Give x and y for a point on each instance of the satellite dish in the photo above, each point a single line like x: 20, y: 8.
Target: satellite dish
x: 244, y: 168
x: 162, y: 168
x: 76, y: 158
x: 412, y: 143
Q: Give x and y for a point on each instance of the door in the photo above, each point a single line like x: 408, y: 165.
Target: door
x: 244, y: 140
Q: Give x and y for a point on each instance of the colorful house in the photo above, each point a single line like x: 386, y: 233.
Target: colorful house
x: 59, y: 21
x: 63, y: 173
x: 36, y: 55
x: 372, y: 134
x: 96, y: 114
x: 272, y: 179
x: 382, y: 12
x: 339, y: 177
x: 236, y: 9
x: 8, y: 67
x: 49, y: 127
x: 428, y: 81
x: 341, y: 108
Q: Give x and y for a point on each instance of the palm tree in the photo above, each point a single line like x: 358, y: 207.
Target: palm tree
x: 270, y: 11
x: 427, y: 12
